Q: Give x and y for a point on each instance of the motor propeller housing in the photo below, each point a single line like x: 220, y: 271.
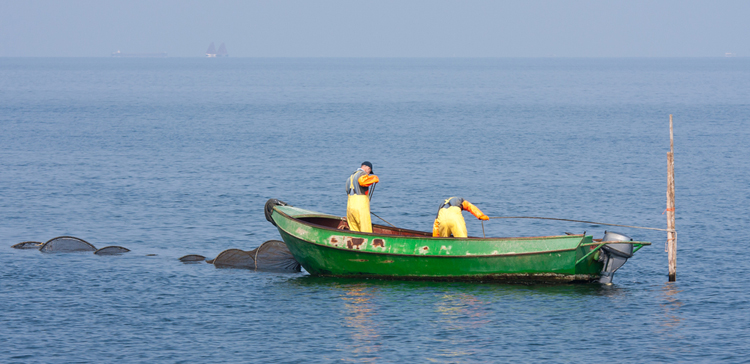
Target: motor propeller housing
x: 614, y: 256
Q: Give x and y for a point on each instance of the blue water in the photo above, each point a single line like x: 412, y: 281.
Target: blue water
x: 177, y: 156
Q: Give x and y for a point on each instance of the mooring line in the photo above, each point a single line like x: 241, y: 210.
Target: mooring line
x: 583, y: 221
x: 551, y: 218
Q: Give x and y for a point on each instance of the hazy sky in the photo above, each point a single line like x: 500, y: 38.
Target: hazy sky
x: 384, y: 28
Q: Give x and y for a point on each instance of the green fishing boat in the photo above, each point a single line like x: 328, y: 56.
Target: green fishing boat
x: 324, y: 246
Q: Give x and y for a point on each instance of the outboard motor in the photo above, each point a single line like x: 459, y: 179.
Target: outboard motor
x: 614, y: 255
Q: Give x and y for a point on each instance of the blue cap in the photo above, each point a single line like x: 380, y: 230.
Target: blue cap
x: 365, y: 163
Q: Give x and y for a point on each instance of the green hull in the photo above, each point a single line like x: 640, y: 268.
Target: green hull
x: 322, y: 248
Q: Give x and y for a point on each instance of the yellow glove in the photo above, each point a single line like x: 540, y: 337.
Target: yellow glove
x: 484, y: 217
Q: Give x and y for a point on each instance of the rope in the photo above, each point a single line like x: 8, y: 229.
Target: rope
x: 382, y: 219
x: 372, y: 192
x: 586, y: 222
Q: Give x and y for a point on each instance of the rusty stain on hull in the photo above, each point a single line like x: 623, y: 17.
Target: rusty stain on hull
x: 378, y: 243
x: 355, y: 243
x: 336, y: 240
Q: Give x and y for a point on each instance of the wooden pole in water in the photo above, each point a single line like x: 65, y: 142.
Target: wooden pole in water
x: 671, y: 235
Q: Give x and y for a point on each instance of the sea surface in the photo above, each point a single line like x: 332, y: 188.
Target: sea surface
x: 169, y: 157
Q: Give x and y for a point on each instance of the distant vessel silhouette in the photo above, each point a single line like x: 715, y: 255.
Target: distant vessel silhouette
x: 212, y: 53
x: 222, y: 51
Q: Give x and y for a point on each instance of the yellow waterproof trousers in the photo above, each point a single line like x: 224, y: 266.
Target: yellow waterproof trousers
x: 358, y: 213
x: 450, y: 221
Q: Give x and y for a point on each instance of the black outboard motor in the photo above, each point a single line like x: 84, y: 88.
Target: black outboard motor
x: 614, y: 255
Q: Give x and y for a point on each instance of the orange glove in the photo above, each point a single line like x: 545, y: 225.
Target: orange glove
x: 474, y: 210
x: 367, y: 180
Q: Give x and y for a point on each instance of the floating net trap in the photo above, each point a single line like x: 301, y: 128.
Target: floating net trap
x: 111, y: 250
x: 65, y: 244
x: 272, y: 255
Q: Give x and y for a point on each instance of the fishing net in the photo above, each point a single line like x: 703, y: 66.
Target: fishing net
x: 272, y: 255
x: 234, y: 258
x: 65, y: 244
x: 275, y: 256
x: 111, y: 250
x: 28, y: 245
x: 192, y: 258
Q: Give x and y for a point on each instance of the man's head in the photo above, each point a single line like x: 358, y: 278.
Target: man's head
x: 367, y: 167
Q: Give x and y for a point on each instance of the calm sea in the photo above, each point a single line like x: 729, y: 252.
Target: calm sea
x: 169, y: 157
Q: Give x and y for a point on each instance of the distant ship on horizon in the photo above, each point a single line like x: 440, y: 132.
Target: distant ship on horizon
x: 212, y: 53
x: 149, y: 55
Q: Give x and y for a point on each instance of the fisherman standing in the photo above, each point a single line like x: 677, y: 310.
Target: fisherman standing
x: 358, y: 204
x: 449, y: 219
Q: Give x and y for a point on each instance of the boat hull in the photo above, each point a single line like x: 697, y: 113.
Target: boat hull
x: 403, y: 254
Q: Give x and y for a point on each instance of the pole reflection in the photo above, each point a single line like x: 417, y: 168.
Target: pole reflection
x: 670, y: 307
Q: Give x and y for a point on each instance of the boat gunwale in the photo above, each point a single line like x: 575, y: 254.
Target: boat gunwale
x: 416, y: 231
x: 420, y: 255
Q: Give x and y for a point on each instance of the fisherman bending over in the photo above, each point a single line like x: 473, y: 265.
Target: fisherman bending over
x: 358, y: 204
x: 450, y: 221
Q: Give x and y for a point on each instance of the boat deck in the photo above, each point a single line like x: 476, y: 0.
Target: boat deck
x: 341, y: 224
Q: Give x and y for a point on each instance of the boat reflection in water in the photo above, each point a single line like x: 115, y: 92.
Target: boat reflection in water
x: 359, y: 314
x: 462, y: 311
